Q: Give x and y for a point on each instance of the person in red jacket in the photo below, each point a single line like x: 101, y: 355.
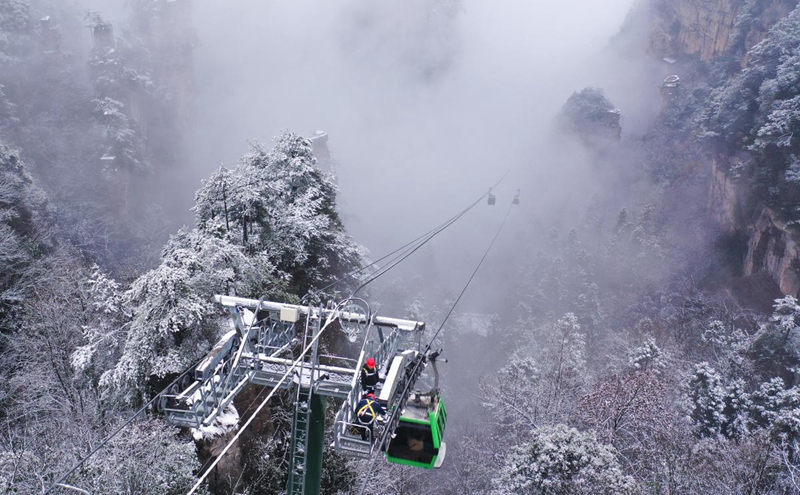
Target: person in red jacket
x: 369, y: 376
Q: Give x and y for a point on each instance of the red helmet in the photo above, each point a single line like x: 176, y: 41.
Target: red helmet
x: 371, y: 362
x: 371, y: 396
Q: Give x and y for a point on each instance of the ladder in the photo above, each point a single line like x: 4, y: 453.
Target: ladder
x: 302, y: 407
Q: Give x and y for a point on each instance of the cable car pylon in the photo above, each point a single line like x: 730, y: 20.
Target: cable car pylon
x: 260, y: 350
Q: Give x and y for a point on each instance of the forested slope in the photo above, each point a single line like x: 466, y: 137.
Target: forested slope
x: 655, y: 346
x: 90, y: 131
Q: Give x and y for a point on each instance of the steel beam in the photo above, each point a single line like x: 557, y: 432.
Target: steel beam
x: 383, y: 321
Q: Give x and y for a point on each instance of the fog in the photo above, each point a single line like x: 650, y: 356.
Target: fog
x: 424, y: 111
x: 426, y: 103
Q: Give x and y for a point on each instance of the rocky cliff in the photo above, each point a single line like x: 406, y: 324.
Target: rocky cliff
x: 694, y: 27
x: 707, y: 30
x: 724, y: 197
x: 710, y: 28
x: 772, y: 246
x: 774, y: 249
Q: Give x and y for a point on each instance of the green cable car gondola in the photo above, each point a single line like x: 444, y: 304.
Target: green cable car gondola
x: 418, y: 438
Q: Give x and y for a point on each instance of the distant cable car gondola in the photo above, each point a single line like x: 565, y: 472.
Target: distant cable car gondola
x: 516, y: 198
x: 417, y: 440
x: 491, y: 199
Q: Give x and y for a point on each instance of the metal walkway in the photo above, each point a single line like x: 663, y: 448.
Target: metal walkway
x: 260, y: 350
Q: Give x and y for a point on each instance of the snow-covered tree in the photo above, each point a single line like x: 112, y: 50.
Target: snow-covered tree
x: 775, y: 349
x: 625, y: 405
x: 716, y: 408
x: 647, y: 357
x: 779, y: 95
x: 211, y: 200
x: 278, y: 204
x: 777, y: 409
x: 759, y: 109
x: 518, y: 391
x: 736, y: 411
x: 749, y: 465
x: 539, y: 386
x: 124, y: 144
x: 15, y: 27
x: 25, y: 236
x: 561, y: 460
x: 707, y: 400
x: 102, y: 329
x: 173, y: 314
x: 568, y: 359
x: 268, y: 228
x: 786, y: 316
x: 148, y: 457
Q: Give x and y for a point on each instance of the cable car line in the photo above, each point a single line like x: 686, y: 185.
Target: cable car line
x: 357, y: 270
x: 397, y: 260
x: 427, y: 236
x: 388, y: 431
x: 408, y: 253
x: 436, y: 232
x: 502, y: 224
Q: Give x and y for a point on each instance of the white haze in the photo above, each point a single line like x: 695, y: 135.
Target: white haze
x: 411, y: 150
x: 425, y: 109
x: 413, y: 146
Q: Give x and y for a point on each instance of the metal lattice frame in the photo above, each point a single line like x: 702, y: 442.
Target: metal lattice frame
x: 255, y: 353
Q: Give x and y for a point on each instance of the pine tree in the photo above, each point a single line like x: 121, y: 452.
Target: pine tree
x: 278, y: 204
x: 173, y: 314
x: 707, y: 400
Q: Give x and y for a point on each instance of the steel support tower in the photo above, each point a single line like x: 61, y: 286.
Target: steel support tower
x: 261, y: 350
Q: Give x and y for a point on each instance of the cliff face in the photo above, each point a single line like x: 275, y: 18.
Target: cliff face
x: 773, y: 249
x: 724, y: 198
x: 709, y: 28
x: 694, y: 27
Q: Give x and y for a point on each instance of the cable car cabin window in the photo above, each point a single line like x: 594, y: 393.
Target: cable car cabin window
x: 442, y: 419
x: 413, y: 442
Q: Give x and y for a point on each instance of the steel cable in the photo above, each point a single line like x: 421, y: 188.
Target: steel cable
x: 392, y: 417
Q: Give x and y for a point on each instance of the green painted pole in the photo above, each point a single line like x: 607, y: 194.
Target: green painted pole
x: 316, y: 444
